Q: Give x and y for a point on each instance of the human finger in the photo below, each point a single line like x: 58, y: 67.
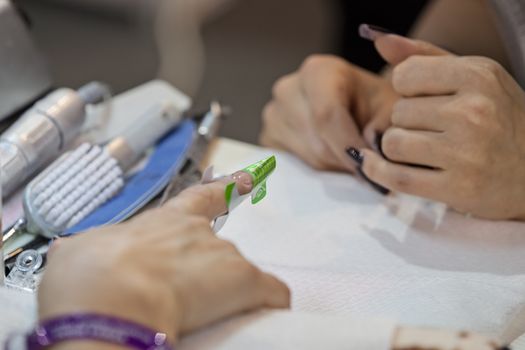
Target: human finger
x: 422, y: 182
x: 421, y: 113
x: 422, y: 148
x: 396, y: 48
x: 208, y: 200
x: 300, y: 140
x: 328, y: 94
x: 430, y: 75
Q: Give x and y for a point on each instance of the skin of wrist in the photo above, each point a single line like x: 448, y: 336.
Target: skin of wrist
x: 133, y: 297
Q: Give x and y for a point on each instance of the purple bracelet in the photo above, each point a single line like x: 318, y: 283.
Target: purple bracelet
x: 95, y: 327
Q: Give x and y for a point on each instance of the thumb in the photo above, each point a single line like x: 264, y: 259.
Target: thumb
x: 396, y: 48
x: 209, y: 200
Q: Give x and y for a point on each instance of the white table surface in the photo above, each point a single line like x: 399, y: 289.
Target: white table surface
x: 226, y: 154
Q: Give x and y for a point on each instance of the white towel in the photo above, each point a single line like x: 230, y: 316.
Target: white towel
x: 347, y: 250
x: 351, y: 255
x: 284, y: 330
x: 17, y: 313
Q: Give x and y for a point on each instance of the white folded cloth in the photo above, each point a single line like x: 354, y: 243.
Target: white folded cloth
x: 350, y: 256
x: 346, y: 250
x: 283, y: 330
x: 17, y: 313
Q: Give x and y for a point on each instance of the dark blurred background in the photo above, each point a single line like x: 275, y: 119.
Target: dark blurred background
x: 219, y: 49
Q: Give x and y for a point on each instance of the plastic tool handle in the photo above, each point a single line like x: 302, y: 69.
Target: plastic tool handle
x: 150, y: 127
x: 39, y: 136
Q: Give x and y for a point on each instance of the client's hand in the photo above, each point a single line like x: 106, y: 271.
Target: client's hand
x: 164, y: 269
x: 325, y: 107
x: 463, y: 119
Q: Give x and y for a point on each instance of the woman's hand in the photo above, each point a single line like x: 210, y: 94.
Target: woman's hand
x: 462, y: 121
x: 325, y: 107
x: 164, y: 269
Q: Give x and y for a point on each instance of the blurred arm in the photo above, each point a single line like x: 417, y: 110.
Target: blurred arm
x: 466, y: 27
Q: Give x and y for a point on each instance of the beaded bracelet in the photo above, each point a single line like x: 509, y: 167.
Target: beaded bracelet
x: 94, y: 327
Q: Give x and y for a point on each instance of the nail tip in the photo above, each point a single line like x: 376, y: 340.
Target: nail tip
x: 382, y: 190
x: 364, y: 31
x: 379, y: 144
x: 355, y: 154
x: 372, y: 32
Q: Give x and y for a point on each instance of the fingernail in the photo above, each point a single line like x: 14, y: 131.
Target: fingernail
x: 505, y: 348
x: 355, y: 154
x: 371, y: 32
x: 384, y: 191
x: 358, y: 158
x: 242, y: 178
x: 244, y: 182
x: 379, y: 144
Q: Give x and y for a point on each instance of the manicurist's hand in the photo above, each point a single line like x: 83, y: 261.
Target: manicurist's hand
x: 164, y: 269
x: 462, y: 121
x: 325, y: 107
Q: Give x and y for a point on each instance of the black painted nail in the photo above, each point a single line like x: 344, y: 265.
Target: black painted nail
x: 376, y: 186
x: 506, y: 347
x: 355, y: 154
x: 358, y: 158
x: 379, y: 144
x: 372, y: 32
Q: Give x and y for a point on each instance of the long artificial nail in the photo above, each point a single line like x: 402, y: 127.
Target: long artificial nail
x: 356, y: 155
x: 376, y: 186
x: 243, y: 178
x: 372, y: 32
x: 358, y: 158
x: 379, y: 144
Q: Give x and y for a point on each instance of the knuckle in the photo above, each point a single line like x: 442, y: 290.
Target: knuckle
x: 214, y: 244
x: 268, y: 114
x: 322, y: 113
x: 393, y: 144
x: 198, y: 222
x: 322, y: 154
x: 320, y: 63
x: 242, y: 267
x: 282, y: 86
x: 399, y: 110
x: 313, y: 62
x: 402, y: 71
x: 228, y: 246
x: 477, y: 109
x: 483, y: 70
x: 249, y: 271
x: 490, y: 65
x: 398, y: 76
